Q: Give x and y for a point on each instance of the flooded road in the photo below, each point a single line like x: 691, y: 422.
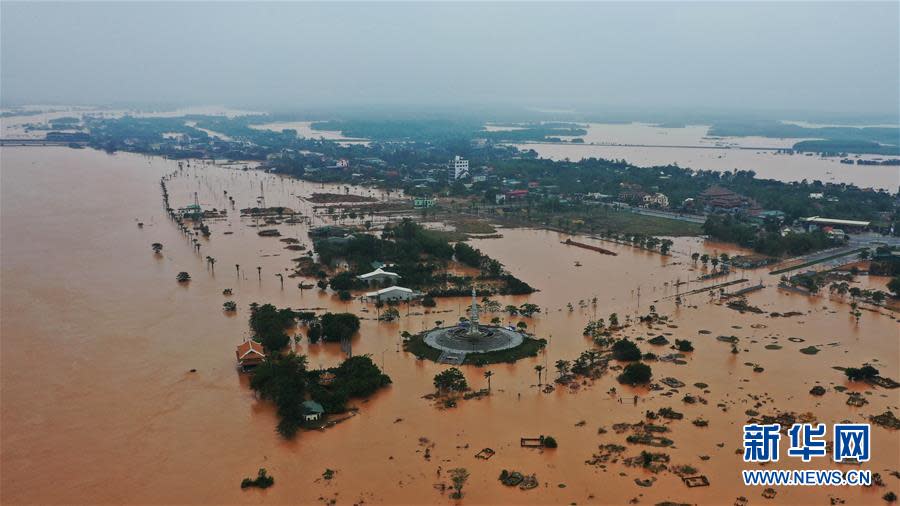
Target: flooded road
x: 97, y: 341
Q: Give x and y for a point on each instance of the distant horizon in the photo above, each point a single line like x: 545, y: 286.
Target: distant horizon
x: 810, y: 60
x: 501, y: 113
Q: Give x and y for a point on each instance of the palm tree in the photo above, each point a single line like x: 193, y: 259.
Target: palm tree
x: 183, y: 277
x: 487, y: 376
x: 694, y: 257
x: 259, y: 272
x: 157, y: 247
x: 539, y: 369
x: 281, y: 278
x: 237, y: 268
x: 211, y: 262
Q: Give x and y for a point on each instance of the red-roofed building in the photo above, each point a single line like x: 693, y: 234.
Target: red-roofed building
x: 250, y: 354
x: 717, y: 198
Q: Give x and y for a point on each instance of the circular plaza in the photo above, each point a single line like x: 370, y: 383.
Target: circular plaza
x: 462, y: 339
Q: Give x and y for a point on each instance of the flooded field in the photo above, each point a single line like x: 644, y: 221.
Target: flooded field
x: 98, y: 343
x: 304, y: 129
x: 649, y: 145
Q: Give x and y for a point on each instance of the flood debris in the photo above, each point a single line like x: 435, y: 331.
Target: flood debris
x: 857, y: 400
x: 650, y: 440
x: 609, y: 453
x: 881, y: 381
x: 517, y: 479
x: 262, y: 480
x: 659, y: 340
x: 695, y: 481
x: 886, y: 420
x: 648, y: 482
x: 669, y: 414
x: 672, y: 382
x: 742, y: 306
x: 485, y: 453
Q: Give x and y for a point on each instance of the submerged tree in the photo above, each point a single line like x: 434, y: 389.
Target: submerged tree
x: 459, y: 476
x: 451, y: 380
x: 183, y: 277
x: 157, y: 247
x: 487, y: 376
x: 539, y: 368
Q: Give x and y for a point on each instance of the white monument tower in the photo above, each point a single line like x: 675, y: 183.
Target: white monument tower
x: 473, y: 317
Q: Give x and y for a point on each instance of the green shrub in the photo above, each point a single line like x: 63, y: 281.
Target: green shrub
x: 684, y: 345
x: 626, y: 350
x: 262, y: 480
x: 635, y: 374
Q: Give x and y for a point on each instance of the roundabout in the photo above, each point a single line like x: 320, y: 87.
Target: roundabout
x: 471, y: 342
x: 462, y: 339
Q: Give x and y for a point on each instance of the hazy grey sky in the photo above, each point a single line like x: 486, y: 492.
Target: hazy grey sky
x: 802, y: 56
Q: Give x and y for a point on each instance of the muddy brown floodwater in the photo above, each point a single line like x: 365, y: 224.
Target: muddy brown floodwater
x: 98, y: 340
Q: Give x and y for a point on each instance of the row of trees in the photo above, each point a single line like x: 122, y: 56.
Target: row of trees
x: 269, y: 324
x: 641, y: 241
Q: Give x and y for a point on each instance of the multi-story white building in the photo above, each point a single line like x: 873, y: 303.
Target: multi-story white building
x: 459, y: 167
x: 656, y: 200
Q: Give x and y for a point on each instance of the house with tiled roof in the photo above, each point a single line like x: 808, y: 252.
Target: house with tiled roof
x: 250, y: 354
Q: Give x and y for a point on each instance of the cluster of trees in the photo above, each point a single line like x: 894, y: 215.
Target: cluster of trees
x: 586, y: 363
x: 455, y: 130
x: 527, y: 309
x: 285, y: 380
x: 402, y: 243
x: 625, y: 350
x: 282, y: 379
x: 338, y: 326
x: 765, y: 240
x: 268, y: 325
x: 419, y: 257
x: 843, y: 288
x: 346, y: 280
x: 450, y: 380
x: 637, y: 373
x: 866, y: 372
x: 684, y: 345
x: 356, y: 377
x: 262, y: 480
x: 641, y: 241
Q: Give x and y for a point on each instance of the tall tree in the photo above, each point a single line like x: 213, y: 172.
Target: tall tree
x: 487, y: 375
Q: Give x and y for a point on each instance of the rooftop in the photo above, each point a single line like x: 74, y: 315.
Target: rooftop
x: 834, y: 221
x: 249, y: 348
x: 388, y: 290
x: 378, y: 272
x: 312, y: 407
